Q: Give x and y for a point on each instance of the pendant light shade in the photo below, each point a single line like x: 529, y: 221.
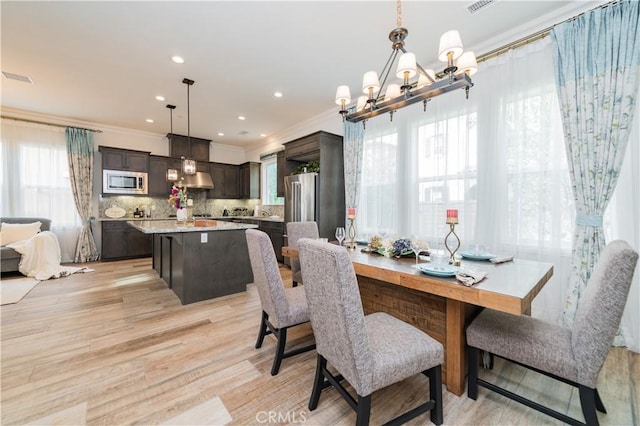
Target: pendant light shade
x: 370, y: 83
x: 172, y: 174
x: 407, y: 64
x: 188, y: 164
x: 467, y: 63
x: 450, y: 42
x: 343, y: 95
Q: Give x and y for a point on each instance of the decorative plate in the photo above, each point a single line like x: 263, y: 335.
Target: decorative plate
x: 439, y: 271
x: 114, y: 212
x: 476, y: 256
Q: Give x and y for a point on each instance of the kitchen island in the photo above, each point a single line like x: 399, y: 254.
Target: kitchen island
x: 202, y: 261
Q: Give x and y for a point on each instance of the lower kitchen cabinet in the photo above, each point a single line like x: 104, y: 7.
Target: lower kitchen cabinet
x: 121, y: 241
x: 275, y: 231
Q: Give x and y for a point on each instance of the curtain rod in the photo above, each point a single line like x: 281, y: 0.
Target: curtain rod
x: 533, y: 37
x: 47, y: 124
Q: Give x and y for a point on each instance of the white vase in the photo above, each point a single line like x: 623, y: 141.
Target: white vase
x: 181, y: 215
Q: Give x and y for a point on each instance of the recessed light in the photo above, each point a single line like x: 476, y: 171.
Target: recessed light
x: 278, y: 94
x: 220, y: 134
x: 177, y: 60
x: 148, y: 120
x: 242, y: 117
x: 262, y: 135
x: 160, y: 98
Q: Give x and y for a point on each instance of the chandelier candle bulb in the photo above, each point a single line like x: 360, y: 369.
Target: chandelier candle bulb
x: 452, y: 216
x: 351, y: 213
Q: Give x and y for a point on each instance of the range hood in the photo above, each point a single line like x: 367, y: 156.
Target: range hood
x: 200, y: 180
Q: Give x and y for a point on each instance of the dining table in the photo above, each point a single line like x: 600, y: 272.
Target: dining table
x: 442, y: 306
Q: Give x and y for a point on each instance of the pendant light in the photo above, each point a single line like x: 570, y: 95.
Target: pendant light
x: 172, y: 174
x: 188, y: 164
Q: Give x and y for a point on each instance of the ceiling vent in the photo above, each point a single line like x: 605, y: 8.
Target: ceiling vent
x: 17, y: 77
x: 242, y: 133
x: 479, y: 6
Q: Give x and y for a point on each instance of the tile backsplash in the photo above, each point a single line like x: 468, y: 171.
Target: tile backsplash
x: 160, y: 207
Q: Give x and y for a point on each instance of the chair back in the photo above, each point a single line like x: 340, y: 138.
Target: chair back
x: 266, y: 276
x: 297, y: 230
x: 335, y: 309
x: 600, y: 309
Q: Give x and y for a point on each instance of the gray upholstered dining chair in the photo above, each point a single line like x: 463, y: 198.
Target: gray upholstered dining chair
x: 282, y: 307
x: 370, y: 352
x: 572, y: 355
x: 295, y: 231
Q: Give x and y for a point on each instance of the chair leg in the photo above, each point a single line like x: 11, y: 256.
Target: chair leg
x: 281, y: 335
x: 435, y: 394
x: 599, y: 404
x: 263, y: 329
x: 318, y: 383
x: 363, y: 410
x: 588, y: 403
x: 472, y: 381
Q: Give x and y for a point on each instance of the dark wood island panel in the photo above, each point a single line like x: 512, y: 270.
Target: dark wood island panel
x: 200, y: 262
x: 197, y: 270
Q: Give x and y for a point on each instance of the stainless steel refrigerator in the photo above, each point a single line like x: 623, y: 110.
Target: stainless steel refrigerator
x: 301, y: 197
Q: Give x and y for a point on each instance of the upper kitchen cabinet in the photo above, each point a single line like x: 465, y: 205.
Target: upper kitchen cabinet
x: 124, y: 159
x: 309, y: 148
x: 226, y: 179
x: 250, y: 180
x: 158, y: 183
x: 179, y: 147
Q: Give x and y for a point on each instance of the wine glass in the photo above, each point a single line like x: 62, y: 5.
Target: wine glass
x: 340, y: 234
x: 416, y: 246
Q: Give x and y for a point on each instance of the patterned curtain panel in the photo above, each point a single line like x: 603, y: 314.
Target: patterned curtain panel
x: 597, y: 57
x: 352, y: 145
x: 80, y: 153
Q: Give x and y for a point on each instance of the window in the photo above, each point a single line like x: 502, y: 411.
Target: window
x: 34, y: 179
x: 270, y: 182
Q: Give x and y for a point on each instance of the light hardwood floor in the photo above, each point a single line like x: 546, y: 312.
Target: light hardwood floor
x: 116, y: 347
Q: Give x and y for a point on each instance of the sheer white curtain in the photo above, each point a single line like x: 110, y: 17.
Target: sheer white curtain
x: 498, y: 158
x: 35, y: 179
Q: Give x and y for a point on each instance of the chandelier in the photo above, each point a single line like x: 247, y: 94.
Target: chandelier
x: 415, y: 84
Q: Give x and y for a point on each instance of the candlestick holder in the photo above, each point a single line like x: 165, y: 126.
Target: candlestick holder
x: 452, y: 227
x: 352, y: 234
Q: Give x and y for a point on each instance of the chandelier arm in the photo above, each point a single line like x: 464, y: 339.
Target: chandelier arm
x: 386, y: 69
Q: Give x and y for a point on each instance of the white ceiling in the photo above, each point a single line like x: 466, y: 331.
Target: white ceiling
x: 104, y: 62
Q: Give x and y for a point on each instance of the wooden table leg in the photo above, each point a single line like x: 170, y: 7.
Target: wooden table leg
x: 455, y: 347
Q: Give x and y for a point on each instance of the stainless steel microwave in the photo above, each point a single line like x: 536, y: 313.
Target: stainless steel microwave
x: 123, y: 182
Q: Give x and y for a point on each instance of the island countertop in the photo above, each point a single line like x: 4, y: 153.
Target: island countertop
x: 171, y: 226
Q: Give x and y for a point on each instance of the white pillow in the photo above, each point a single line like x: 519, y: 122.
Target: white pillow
x: 14, y: 232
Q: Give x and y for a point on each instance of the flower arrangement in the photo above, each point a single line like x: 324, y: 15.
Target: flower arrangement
x: 394, y: 247
x: 178, y: 197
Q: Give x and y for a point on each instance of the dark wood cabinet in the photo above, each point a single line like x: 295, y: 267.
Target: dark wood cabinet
x: 124, y: 159
x: 275, y: 231
x: 121, y: 241
x: 158, y: 185
x: 179, y: 147
x: 225, y: 181
x: 281, y: 165
x: 250, y: 180
x: 326, y: 148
